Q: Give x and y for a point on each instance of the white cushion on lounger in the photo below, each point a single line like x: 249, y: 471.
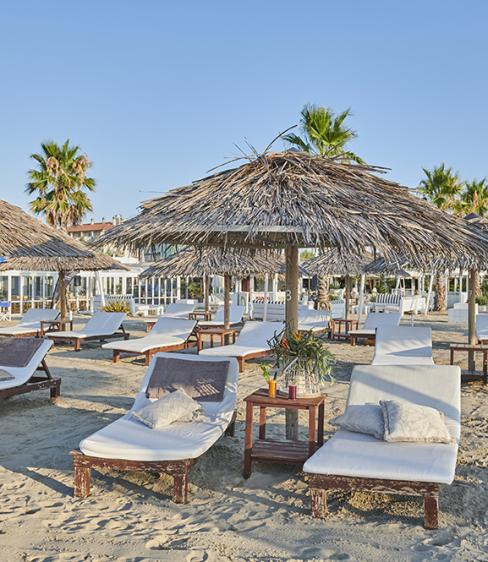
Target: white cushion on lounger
x: 482, y: 327
x: 166, y: 332
x: 236, y: 313
x: 30, y: 322
x: 403, y: 345
x: 129, y: 439
x: 179, y: 309
x: 376, y: 319
x: 253, y: 338
x: 23, y: 374
x: 356, y: 454
x: 100, y: 324
x: 314, y: 320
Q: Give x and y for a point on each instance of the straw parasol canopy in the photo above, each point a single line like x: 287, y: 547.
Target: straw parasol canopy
x: 28, y: 244
x: 334, y: 262
x: 396, y: 267
x: 294, y: 199
x: 199, y: 262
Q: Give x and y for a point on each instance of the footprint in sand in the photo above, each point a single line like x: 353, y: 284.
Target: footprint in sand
x: 197, y: 556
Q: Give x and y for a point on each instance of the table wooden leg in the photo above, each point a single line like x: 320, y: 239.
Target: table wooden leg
x: 222, y: 339
x: 199, y: 342
x: 485, y: 367
x: 233, y: 337
x: 312, y: 430
x: 211, y: 340
x: 320, y: 431
x: 248, y: 441
x: 452, y: 356
x: 262, y: 422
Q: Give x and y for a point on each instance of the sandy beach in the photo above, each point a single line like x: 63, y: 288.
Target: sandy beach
x: 130, y: 518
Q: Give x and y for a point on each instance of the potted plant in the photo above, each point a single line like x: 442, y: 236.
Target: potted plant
x: 303, y: 360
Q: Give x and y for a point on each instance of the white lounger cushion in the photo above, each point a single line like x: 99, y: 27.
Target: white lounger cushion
x: 355, y: 454
x: 100, y: 324
x: 179, y: 310
x: 30, y: 322
x: 376, y: 320
x: 403, y: 345
x: 314, y: 320
x: 482, y: 327
x: 253, y: 338
x: 129, y: 439
x: 23, y: 374
x: 236, y: 313
x: 167, y: 332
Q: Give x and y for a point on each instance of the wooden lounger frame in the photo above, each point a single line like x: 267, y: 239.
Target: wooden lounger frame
x: 78, y: 341
x: 241, y: 359
x: 36, y: 383
x: 359, y: 335
x: 321, y: 484
x: 179, y: 470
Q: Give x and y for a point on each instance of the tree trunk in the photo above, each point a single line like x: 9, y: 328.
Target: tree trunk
x: 324, y: 293
x: 62, y: 295
x: 440, y: 292
x: 476, y: 280
x: 474, y: 276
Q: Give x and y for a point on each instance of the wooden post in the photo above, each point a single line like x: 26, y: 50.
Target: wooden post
x: 471, y: 316
x: 62, y: 294
x: 291, y: 311
x: 227, y: 284
x: 348, y: 296
x: 206, y: 280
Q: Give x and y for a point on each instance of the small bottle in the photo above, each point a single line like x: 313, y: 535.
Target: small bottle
x: 292, y: 391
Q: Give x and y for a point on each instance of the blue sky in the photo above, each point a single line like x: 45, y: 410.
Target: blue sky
x: 158, y: 92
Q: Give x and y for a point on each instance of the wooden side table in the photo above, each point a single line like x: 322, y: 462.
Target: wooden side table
x: 200, y: 315
x: 336, y: 328
x: 477, y: 348
x: 215, y: 331
x: 287, y: 452
x: 55, y: 326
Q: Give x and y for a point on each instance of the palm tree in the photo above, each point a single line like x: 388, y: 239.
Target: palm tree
x: 324, y: 133
x: 59, y: 184
x: 474, y: 198
x: 441, y: 186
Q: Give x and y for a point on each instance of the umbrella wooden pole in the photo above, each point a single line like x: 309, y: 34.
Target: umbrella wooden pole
x: 361, y: 297
x: 227, y: 284
x: 62, y: 294
x: 471, y: 316
x: 291, y: 256
x: 348, y: 296
x: 206, y: 284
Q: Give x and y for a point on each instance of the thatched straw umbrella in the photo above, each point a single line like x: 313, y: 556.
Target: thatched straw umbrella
x: 203, y: 262
x: 28, y: 244
x: 291, y: 200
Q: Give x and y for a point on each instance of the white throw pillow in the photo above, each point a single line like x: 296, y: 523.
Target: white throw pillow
x: 362, y: 418
x: 4, y: 376
x: 176, y: 406
x: 409, y: 422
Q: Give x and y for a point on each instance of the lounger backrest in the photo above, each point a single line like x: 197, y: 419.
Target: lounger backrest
x: 34, y: 315
x: 104, y: 322
x: 257, y: 334
x: 436, y: 386
x: 482, y: 323
x: 179, y: 309
x: 236, y: 313
x: 403, y: 340
x: 210, y: 408
x: 174, y: 327
x: 376, y: 319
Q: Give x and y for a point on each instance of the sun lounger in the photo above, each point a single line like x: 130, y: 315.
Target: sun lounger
x: 21, y: 358
x: 30, y: 324
x: 357, y: 462
x: 101, y: 326
x: 313, y: 320
x: 168, y: 334
x: 403, y: 345
x: 482, y: 328
x: 375, y: 320
x: 172, y: 310
x: 127, y: 444
x: 236, y: 313
x: 251, y: 343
